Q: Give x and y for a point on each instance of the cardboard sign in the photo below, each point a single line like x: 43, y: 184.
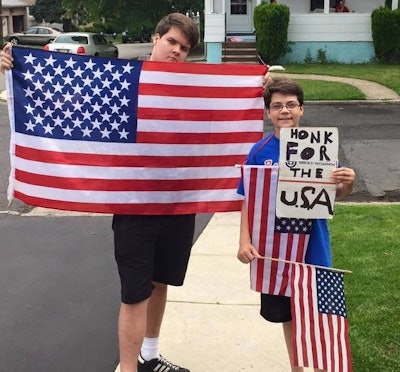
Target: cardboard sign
x: 307, y: 158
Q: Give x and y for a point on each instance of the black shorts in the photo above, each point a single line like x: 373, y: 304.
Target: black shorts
x: 151, y: 248
x: 275, y: 309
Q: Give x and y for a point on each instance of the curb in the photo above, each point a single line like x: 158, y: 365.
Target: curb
x: 354, y: 102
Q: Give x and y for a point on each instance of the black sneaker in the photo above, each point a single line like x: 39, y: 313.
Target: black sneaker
x: 158, y: 365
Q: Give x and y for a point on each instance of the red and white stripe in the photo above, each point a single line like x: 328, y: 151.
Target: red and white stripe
x: 268, y: 276
x: 319, y: 340
x: 195, y: 122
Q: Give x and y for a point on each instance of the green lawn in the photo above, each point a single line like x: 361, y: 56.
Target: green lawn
x: 318, y: 90
x: 366, y: 240
x: 387, y: 75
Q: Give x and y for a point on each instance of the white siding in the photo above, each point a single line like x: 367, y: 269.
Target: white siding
x: 296, y: 6
x: 330, y: 27
x: 17, y: 3
x: 214, y: 28
x: 362, y: 6
x: 214, y: 6
x: 219, y: 6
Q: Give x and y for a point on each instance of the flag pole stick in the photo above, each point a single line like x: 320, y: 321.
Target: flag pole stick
x: 302, y: 263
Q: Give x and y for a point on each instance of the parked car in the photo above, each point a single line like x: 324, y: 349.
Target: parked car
x: 87, y: 43
x: 36, y: 35
x: 126, y: 37
x: 144, y: 36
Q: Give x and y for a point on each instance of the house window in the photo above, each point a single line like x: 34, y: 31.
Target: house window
x: 238, y: 6
x: 18, y: 23
x: 319, y: 4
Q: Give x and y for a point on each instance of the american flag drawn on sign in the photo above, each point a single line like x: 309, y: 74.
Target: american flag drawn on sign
x: 130, y: 137
x: 283, y: 238
x: 320, y: 325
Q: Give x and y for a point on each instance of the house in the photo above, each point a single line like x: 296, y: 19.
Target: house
x: 313, y: 25
x: 15, y: 14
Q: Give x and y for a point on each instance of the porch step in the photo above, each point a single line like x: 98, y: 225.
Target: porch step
x: 239, y: 52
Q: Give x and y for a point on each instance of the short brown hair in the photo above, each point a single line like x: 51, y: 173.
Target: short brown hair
x: 285, y: 86
x: 183, y: 23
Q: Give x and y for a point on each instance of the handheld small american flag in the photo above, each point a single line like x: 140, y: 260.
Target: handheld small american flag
x: 130, y: 137
x: 280, y: 238
x: 320, y: 325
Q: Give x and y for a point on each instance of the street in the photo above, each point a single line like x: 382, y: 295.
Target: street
x: 369, y: 136
x: 60, y: 288
x: 125, y: 51
x: 133, y: 50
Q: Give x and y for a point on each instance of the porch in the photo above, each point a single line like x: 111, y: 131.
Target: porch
x: 313, y: 26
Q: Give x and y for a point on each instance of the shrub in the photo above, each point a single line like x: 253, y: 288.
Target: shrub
x: 308, y: 58
x: 321, y: 56
x: 271, y: 22
x: 386, y: 34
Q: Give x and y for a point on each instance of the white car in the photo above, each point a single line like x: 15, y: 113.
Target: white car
x: 87, y: 43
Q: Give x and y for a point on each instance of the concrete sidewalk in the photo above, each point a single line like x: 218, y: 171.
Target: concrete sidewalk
x: 212, y: 323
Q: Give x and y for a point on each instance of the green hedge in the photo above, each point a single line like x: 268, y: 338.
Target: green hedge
x: 386, y: 34
x: 271, y: 22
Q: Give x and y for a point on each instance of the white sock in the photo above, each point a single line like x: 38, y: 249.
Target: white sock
x: 150, y: 348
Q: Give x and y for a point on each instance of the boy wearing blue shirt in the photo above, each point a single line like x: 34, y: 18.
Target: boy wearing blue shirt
x: 284, y: 103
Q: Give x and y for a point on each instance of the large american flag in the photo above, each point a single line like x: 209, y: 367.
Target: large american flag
x: 130, y: 137
x: 279, y: 238
x: 320, y: 325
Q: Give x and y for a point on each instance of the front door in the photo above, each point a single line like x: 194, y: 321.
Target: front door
x: 239, y: 16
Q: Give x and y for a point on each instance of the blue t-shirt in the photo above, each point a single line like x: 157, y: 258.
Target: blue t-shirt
x: 266, y: 152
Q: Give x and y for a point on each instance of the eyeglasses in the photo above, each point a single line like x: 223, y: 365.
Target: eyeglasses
x: 290, y: 106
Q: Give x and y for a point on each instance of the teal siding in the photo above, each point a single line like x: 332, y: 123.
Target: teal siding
x: 214, y: 52
x: 336, y: 51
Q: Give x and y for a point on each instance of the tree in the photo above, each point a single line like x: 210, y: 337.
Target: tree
x: 49, y: 11
x: 73, y: 9
x: 271, y: 22
x: 183, y: 6
x: 385, y: 25
x: 117, y: 15
x: 137, y: 14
